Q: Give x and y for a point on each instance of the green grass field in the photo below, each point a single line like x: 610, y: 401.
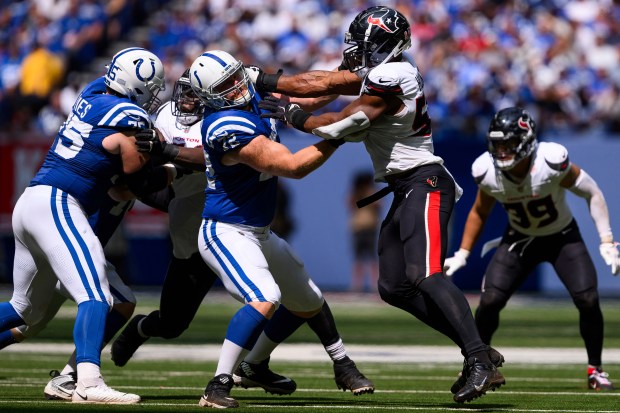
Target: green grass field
x: 174, y: 385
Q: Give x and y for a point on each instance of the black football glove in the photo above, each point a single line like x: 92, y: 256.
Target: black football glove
x: 147, y: 141
x: 291, y: 113
x: 263, y: 82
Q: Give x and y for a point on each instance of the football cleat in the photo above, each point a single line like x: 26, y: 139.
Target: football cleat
x: 496, y: 358
x: 102, y: 394
x: 348, y: 377
x: 127, y: 342
x: 480, y: 378
x: 61, y: 386
x: 217, y: 393
x: 599, y: 380
x: 259, y: 375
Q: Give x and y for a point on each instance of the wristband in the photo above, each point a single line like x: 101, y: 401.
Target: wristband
x: 298, y: 118
x: 170, y: 151
x: 269, y: 82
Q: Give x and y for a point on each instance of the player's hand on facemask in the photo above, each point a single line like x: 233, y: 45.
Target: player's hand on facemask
x: 263, y: 82
x: 609, y: 252
x: 456, y: 262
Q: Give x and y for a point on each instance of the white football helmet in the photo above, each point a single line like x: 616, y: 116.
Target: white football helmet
x: 220, y: 80
x: 137, y: 74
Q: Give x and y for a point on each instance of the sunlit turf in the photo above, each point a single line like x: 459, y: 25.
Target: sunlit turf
x: 177, y: 385
x: 174, y: 386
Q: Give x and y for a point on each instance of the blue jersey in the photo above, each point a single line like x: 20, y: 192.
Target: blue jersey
x: 77, y: 163
x: 237, y: 194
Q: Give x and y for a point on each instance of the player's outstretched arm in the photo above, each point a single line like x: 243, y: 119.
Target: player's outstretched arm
x: 583, y: 185
x: 474, y: 225
x: 315, y: 83
x: 273, y: 158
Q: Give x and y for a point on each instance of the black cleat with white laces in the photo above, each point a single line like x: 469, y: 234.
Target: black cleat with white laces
x: 348, y: 377
x: 481, y: 378
x: 259, y: 375
x: 128, y: 341
x: 217, y: 393
x: 496, y: 358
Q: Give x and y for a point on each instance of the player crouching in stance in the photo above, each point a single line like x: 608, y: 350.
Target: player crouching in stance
x: 530, y: 181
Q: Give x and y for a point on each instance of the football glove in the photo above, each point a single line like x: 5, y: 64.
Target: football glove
x: 263, y: 82
x: 609, y: 252
x: 147, y: 141
x: 456, y: 262
x: 291, y: 113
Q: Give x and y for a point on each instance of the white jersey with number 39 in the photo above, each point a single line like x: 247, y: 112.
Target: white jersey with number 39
x: 537, y: 205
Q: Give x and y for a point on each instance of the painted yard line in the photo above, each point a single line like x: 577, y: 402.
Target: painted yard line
x: 359, y: 352
x: 282, y: 407
x: 148, y: 376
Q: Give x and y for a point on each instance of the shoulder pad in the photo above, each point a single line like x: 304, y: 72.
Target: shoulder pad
x: 167, y: 105
x: 481, y: 167
x: 555, y: 155
x: 380, y: 82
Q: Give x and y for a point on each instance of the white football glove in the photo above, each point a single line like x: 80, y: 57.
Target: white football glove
x: 609, y: 252
x: 253, y: 72
x: 458, y: 261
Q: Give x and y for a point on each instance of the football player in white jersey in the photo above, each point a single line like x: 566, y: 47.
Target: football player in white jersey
x: 530, y: 179
x: 50, y: 219
x: 390, y: 116
x: 189, y: 279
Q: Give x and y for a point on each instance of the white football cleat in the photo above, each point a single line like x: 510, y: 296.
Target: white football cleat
x: 102, y: 394
x: 60, y: 387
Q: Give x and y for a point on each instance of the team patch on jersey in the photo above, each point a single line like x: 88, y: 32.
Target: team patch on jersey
x: 432, y: 181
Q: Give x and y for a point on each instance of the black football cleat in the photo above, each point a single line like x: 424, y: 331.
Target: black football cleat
x: 481, y: 378
x: 127, y: 342
x: 348, y: 377
x: 259, y: 375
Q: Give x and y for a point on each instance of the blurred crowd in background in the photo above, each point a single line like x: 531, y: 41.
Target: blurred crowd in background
x: 560, y: 59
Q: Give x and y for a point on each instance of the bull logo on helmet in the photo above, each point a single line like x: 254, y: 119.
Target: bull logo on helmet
x: 523, y: 124
x: 378, y: 21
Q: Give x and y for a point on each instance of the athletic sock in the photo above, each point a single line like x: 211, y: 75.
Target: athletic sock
x: 243, y: 331
x: 281, y: 326
x: 6, y: 339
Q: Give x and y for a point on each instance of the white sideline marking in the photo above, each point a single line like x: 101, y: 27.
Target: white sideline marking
x: 358, y: 352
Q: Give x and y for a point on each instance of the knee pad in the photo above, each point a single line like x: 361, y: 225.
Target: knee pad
x: 493, y: 299
x: 586, y: 299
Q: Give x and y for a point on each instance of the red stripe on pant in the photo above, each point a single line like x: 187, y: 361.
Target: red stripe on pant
x: 433, y: 233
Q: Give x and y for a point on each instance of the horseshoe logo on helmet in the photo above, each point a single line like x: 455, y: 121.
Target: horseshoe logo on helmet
x: 139, y: 76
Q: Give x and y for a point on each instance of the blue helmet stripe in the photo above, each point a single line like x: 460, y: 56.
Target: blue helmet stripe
x: 217, y: 59
x: 123, y: 52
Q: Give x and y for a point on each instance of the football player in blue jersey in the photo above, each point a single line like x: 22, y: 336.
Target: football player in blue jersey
x: 243, y: 159
x: 188, y: 278
x: 50, y: 219
x: 62, y: 384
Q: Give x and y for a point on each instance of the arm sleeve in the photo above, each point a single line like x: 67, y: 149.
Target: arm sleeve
x: 587, y: 188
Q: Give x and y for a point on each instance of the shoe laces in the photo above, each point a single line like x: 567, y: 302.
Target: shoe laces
x: 600, y: 376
